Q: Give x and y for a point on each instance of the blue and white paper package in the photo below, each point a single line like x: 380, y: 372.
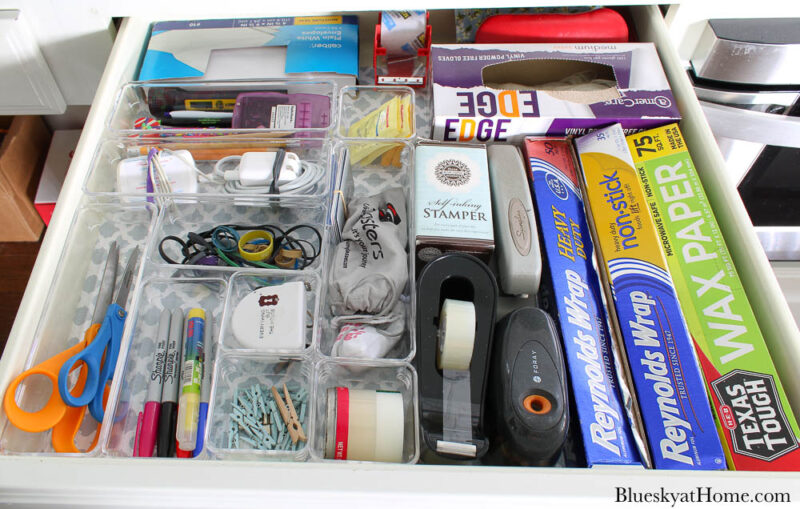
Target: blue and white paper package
x: 671, y: 392
x: 576, y: 301
x: 275, y: 48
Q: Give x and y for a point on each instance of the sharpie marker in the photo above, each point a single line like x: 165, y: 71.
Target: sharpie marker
x: 205, y: 390
x: 191, y: 378
x: 165, y: 443
x: 152, y: 406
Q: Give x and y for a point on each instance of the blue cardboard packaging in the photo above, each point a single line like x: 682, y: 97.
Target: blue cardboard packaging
x: 670, y: 389
x: 308, y: 47
x: 576, y: 302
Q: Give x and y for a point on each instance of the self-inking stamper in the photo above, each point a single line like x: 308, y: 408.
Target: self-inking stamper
x: 456, y: 302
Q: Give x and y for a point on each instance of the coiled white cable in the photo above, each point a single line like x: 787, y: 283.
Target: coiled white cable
x: 309, y: 177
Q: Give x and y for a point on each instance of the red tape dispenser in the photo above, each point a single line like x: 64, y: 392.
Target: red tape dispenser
x: 402, y: 48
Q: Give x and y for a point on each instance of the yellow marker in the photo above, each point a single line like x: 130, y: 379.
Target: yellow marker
x: 191, y: 380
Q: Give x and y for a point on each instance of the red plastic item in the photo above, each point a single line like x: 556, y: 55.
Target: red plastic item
x: 599, y: 25
x: 401, y: 72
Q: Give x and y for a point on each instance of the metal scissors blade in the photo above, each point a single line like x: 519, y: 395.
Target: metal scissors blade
x: 127, y: 279
x: 107, y: 284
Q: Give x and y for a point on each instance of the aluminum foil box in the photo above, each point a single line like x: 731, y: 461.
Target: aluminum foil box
x: 501, y: 92
x: 752, y: 409
x: 573, y: 298
x: 670, y: 389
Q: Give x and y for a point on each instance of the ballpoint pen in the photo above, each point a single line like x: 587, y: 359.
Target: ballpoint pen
x: 152, y: 406
x: 191, y: 378
x: 205, y: 390
x: 165, y: 444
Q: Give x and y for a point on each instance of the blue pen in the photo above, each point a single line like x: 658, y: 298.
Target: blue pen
x: 205, y: 389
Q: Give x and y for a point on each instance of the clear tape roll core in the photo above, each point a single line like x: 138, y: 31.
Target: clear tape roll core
x: 456, y: 342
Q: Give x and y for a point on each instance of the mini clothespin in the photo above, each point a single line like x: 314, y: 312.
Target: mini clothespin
x: 289, y: 415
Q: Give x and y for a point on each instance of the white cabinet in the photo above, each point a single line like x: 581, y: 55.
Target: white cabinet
x: 26, y: 81
x: 48, y: 479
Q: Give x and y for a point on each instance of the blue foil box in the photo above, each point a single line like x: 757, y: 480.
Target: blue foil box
x: 680, y: 428
x: 576, y: 300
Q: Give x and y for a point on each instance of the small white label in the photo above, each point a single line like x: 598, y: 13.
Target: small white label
x: 282, y: 116
x: 400, y: 80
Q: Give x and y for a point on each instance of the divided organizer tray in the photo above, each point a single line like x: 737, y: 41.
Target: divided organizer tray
x: 111, y: 215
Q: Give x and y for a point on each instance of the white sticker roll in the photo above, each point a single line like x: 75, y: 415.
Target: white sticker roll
x: 365, y: 425
x: 456, y: 335
x: 390, y: 425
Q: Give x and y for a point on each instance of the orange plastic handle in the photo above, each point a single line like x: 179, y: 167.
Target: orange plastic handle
x: 64, y: 432
x: 49, y: 415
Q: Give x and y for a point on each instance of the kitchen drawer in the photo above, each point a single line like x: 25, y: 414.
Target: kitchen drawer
x: 167, y: 482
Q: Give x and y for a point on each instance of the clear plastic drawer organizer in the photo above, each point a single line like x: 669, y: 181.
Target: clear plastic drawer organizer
x: 145, y: 217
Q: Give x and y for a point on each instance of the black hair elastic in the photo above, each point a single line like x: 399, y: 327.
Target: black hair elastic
x: 219, y: 245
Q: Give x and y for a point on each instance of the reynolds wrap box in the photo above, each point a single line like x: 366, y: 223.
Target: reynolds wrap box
x: 662, y: 362
x: 502, y: 92
x: 752, y: 409
x: 575, y: 301
x: 310, y: 47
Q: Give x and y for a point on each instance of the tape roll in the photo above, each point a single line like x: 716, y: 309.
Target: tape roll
x: 456, y: 335
x: 364, y: 425
x: 390, y: 420
x: 403, y: 32
x: 255, y: 251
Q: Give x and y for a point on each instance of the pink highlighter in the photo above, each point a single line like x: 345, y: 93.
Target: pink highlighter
x: 152, y: 407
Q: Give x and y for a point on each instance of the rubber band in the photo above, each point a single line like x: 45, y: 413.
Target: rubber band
x: 256, y: 252
x: 225, y: 239
x: 263, y: 246
x: 164, y: 255
x: 288, y: 258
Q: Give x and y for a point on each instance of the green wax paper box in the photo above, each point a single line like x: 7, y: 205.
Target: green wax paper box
x: 752, y: 410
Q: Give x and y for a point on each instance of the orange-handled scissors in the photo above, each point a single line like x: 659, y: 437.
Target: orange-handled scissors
x: 56, y: 413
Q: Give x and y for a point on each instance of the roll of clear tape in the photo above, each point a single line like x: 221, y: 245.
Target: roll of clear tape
x: 365, y: 425
x: 456, y: 343
x: 402, y: 32
x: 456, y: 335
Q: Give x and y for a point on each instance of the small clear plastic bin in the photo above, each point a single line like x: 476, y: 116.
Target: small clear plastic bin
x: 382, y: 113
x: 69, y: 308
x: 180, y: 217
x: 235, y: 379
x: 369, y: 375
x: 119, y: 166
x: 356, y: 180
x: 265, y: 109
x: 157, y: 294
x: 244, y: 283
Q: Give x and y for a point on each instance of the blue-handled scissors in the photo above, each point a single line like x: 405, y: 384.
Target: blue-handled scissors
x: 99, y: 358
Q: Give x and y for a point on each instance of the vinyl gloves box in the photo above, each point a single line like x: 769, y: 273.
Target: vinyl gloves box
x: 491, y: 93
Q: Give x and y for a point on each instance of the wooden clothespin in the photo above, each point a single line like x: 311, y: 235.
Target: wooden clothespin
x: 289, y: 415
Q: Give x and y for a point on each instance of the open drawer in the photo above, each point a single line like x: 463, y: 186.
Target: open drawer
x: 132, y: 481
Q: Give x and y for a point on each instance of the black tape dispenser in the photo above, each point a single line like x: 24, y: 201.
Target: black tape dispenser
x: 529, y: 405
x: 456, y: 301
